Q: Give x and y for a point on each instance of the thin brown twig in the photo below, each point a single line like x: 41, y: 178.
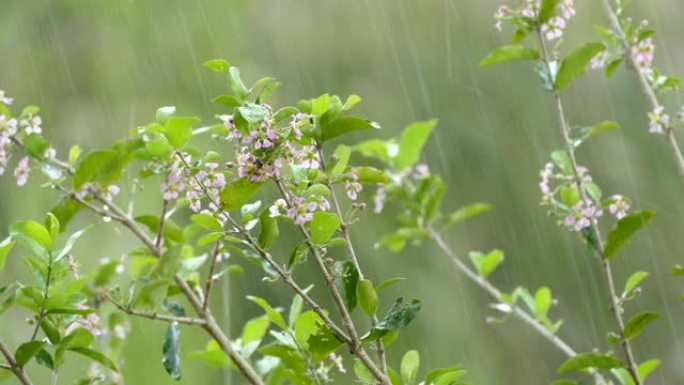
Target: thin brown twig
x: 18, y: 371
x: 155, y: 316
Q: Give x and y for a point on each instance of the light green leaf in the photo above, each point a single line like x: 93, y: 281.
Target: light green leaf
x: 509, y: 53
x: 465, y: 213
x: 178, y: 130
x: 367, y: 296
x: 323, y: 226
x: 253, y: 113
x: 586, y: 133
x: 411, y: 143
x: 575, y: 64
x: 589, y: 360
x: 623, y: 231
x: 71, y: 242
x: 273, y: 314
x: 33, y: 231
x: 633, y: 281
x: 542, y: 302
x: 352, y: 100
x: 238, y: 193
x: 386, y: 283
x: 217, y: 65
x: 236, y: 83
x: 547, y: 10
x: 341, y: 156
x: 5, y: 248
x: 344, y: 125
x: 269, y: 231
x: 97, y: 357
x: 486, y: 264
x: 370, y: 175
x: 409, y: 367
x: 208, y: 222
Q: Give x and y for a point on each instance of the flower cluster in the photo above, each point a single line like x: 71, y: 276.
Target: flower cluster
x: 643, y: 53
x: 8, y: 128
x: 552, y: 28
x: 582, y: 215
x: 301, y: 210
x: 659, y: 120
x: 352, y: 185
x: 209, y: 178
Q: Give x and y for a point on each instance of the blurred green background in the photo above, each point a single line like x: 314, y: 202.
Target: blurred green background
x: 100, y: 68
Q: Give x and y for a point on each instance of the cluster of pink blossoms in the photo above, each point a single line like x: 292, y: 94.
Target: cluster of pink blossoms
x: 552, y: 28
x: 659, y: 120
x: 409, y: 176
x: 352, y: 186
x: 301, y: 210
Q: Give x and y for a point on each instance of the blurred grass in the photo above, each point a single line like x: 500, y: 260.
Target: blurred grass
x: 98, y: 69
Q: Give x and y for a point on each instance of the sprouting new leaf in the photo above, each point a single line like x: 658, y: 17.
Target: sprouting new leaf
x: 509, y: 53
x: 585, y: 133
x: 623, y: 231
x: 5, y: 248
x: 171, y: 351
x: 370, y: 175
x: 633, y: 281
x: 409, y: 367
x: 238, y: 193
x: 411, y: 143
x: 323, y: 226
x: 367, y: 296
x: 178, y: 130
x: 346, y: 124
x: 590, y: 360
x: 217, y: 65
x: 638, y: 322
x: 575, y: 64
x: 486, y: 263
x: 465, y: 213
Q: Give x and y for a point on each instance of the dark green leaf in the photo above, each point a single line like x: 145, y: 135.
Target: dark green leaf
x: 171, y: 351
x: 397, y: 318
x: 638, y: 322
x: 623, y: 231
x: 269, y: 231
x: 589, y: 360
x: 28, y: 350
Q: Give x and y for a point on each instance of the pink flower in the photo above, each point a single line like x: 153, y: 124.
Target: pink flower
x: 599, y: 61
x: 643, y: 53
x: 545, y: 175
x: 553, y: 29
x: 31, y: 125
x: 174, y: 183
x: 22, y: 171
x: 9, y: 127
x: 567, y: 9
x: 337, y: 360
x: 659, y: 121
x: 618, y: 206
x: 499, y: 16
x: 379, y: 198
x: 352, y: 186
x: 112, y: 191
x: 582, y: 215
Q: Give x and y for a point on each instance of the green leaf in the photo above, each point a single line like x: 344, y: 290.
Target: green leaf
x: 5, y: 248
x: 236, y: 83
x: 217, y: 65
x: 228, y: 100
x: 509, y: 53
x: 323, y: 343
x: 453, y: 373
x: 36, y: 146
x: 273, y: 314
x: 547, y: 10
x: 208, y: 222
x: 65, y: 211
x: 306, y: 325
x: 542, y: 302
x: 28, y: 350
x: 647, y: 367
x: 164, y: 113
x: 44, y: 358
x: 638, y: 322
x: 586, y: 133
x: 344, y: 125
x: 269, y: 231
x: 362, y: 373
x: 367, y: 296
x: 253, y: 113
x: 633, y: 281
x: 70, y: 243
x: 397, y: 318
x: 409, y: 367
x: 93, y: 167
x: 411, y: 143
x: 347, y: 279
x: 323, y: 226
x: 238, y: 192
x: 32, y: 231
x: 486, y: 264
x: 590, y: 360
x: 178, y: 130
x: 575, y: 64
x: 562, y: 160
x: 171, y: 351
x: 623, y: 231
x: 97, y: 357
x: 341, y: 156
x: 612, y: 67
x: 351, y: 101
x: 467, y: 212
x: 370, y: 175
x: 255, y: 329
x: 569, y: 195
x: 386, y: 283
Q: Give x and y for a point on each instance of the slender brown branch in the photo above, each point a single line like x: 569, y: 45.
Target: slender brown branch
x: 596, y: 232
x: 210, y: 274
x: 155, y: 316
x: 162, y: 221
x: 645, y: 85
x: 13, y: 366
x: 355, y: 344
x: 344, y: 230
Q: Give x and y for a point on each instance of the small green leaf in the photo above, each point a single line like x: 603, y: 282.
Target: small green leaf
x: 547, y: 10
x: 465, y: 213
x: 586, y: 133
x: 253, y: 113
x: 633, y: 281
x: 562, y: 160
x: 450, y: 374
x: 5, y: 248
x: 28, y: 350
x: 208, y: 222
x: 341, y: 156
x: 351, y: 101
x: 228, y: 100
x: 70, y: 243
x: 386, y: 283
x: 411, y: 143
x: 255, y: 329
x: 32, y: 231
x: 542, y: 302
x: 178, y: 130
x: 638, y: 322
x: 236, y: 83
x: 344, y: 125
x: 370, y: 175
x: 217, y: 65
x: 623, y: 231
x: 486, y: 264
x: 575, y: 64
x: 367, y: 296
x: 164, y: 113
x: 509, y: 53
x: 612, y: 67
x: 269, y: 231
x: 323, y: 226
x: 97, y: 357
x: 409, y: 367
x: 589, y: 360
x: 647, y: 367
x: 171, y: 351
x: 397, y: 318
x: 273, y: 314
x: 347, y: 282
x: 238, y: 193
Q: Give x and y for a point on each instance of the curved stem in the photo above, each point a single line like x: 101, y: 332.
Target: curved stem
x: 12, y: 365
x: 646, y: 87
x: 615, y: 307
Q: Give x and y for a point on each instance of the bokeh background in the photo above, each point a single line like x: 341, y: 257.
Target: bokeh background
x: 100, y: 68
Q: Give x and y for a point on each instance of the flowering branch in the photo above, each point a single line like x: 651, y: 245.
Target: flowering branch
x: 663, y: 122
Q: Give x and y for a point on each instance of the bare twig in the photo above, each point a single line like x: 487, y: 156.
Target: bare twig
x: 155, y: 316
x: 210, y: 274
